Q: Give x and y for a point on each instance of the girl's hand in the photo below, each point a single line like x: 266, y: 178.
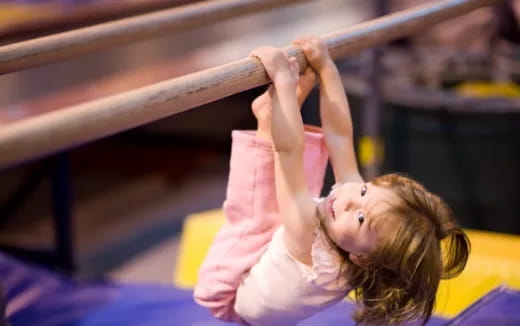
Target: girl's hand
x: 282, y: 70
x: 284, y: 74
x: 262, y: 105
x: 316, y: 52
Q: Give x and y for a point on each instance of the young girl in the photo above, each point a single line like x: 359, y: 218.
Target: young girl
x: 284, y: 255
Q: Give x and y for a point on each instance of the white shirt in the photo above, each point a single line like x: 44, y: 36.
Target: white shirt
x: 280, y: 290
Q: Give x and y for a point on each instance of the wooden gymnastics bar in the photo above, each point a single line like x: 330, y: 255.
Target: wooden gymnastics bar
x: 52, y: 48
x: 83, y: 15
x: 74, y: 125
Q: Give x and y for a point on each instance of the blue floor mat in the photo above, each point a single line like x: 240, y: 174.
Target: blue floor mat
x: 42, y: 298
x: 499, y: 307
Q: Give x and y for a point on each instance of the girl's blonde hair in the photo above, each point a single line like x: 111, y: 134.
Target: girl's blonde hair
x: 399, y: 280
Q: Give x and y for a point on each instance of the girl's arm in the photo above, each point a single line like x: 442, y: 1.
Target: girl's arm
x: 334, y: 111
x: 337, y: 125
x: 297, y: 208
x: 295, y: 203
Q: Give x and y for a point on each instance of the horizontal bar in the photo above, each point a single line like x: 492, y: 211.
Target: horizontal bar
x: 74, y: 125
x: 52, y: 48
x: 80, y: 15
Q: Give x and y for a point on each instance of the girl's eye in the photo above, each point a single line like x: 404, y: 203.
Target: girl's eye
x: 363, y: 190
x: 361, y: 218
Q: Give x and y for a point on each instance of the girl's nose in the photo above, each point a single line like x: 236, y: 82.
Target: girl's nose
x: 350, y: 205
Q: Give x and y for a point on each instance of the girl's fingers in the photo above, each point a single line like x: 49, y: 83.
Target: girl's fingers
x: 275, y: 61
x: 262, y: 53
x: 254, y: 53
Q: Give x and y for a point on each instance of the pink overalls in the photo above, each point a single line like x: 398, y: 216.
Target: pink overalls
x: 252, y: 217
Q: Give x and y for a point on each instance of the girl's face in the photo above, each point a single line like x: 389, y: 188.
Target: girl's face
x: 348, y: 215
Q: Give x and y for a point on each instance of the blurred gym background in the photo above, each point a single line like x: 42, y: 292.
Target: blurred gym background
x: 442, y: 106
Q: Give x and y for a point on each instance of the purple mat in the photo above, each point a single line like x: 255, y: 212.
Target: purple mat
x: 501, y: 307
x: 42, y: 298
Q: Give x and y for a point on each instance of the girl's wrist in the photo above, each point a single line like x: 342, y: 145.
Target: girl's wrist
x: 285, y: 82
x: 327, y: 67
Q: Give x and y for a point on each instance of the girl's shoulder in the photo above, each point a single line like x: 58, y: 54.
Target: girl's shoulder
x: 328, y: 268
